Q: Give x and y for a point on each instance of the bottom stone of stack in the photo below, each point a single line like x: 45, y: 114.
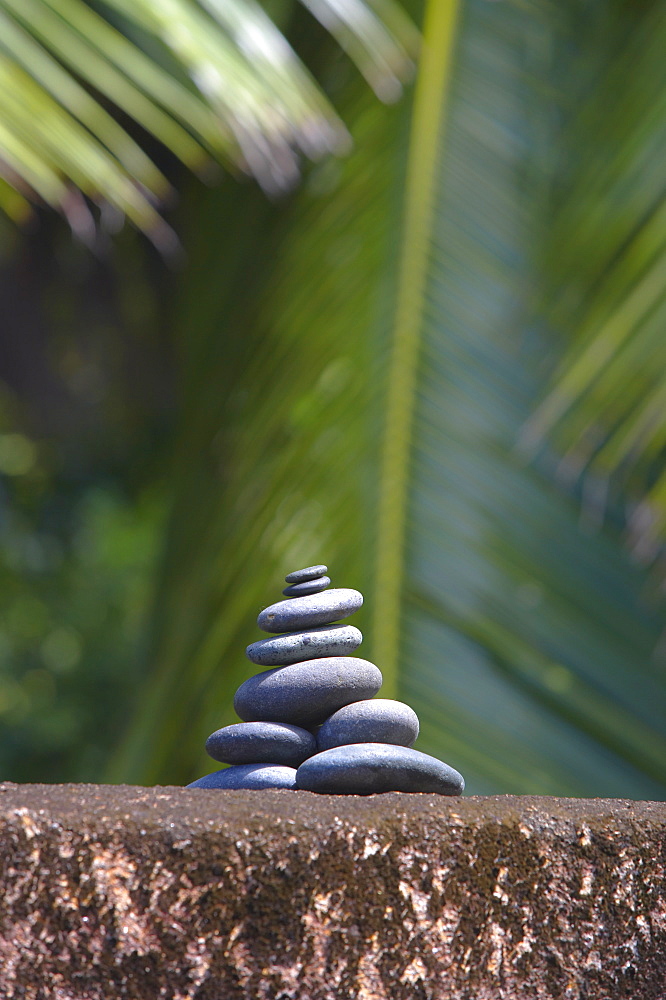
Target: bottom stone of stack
x: 249, y: 776
x: 368, y: 768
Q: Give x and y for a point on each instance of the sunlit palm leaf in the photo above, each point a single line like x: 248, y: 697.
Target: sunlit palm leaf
x: 527, y: 646
x: 221, y: 82
x: 532, y: 631
x: 275, y: 465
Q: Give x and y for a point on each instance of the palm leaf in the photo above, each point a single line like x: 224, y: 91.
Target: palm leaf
x: 208, y: 80
x: 396, y: 299
x: 605, y: 270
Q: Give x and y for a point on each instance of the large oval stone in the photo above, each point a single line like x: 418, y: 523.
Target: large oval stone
x: 249, y: 776
x: 379, y: 720
x: 261, y: 743
x: 307, y: 693
x: 367, y: 768
x: 308, y: 612
x: 293, y: 647
x: 309, y: 573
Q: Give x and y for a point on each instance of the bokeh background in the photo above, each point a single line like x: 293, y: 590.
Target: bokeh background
x: 371, y: 283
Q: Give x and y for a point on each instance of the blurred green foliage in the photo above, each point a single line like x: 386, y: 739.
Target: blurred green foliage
x: 75, y: 593
x: 436, y: 366
x: 86, y: 401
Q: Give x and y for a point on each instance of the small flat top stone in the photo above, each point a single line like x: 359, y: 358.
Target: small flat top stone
x: 376, y: 720
x: 250, y: 776
x: 309, y: 573
x: 308, y: 612
x: 293, y: 647
x: 261, y: 743
x: 307, y: 587
x: 368, y: 768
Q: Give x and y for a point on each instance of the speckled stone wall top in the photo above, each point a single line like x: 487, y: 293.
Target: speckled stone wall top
x: 125, y: 892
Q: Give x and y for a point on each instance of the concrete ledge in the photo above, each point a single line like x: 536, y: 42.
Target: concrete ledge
x: 121, y: 892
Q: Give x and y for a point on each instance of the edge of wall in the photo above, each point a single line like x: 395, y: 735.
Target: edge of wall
x: 113, y: 892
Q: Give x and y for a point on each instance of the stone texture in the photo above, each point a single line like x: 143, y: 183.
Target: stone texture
x: 304, y: 694
x: 260, y: 742
x: 309, y: 573
x: 369, y: 768
x: 378, y: 720
x: 294, y: 647
x: 307, y: 587
x: 298, y: 613
x: 117, y: 893
x: 255, y: 776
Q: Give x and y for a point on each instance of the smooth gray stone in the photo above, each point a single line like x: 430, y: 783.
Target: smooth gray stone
x: 307, y: 693
x: 368, y: 768
x: 379, y: 720
x: 307, y: 587
x: 261, y: 743
x: 309, y: 573
x: 293, y: 647
x: 249, y: 776
x: 308, y: 612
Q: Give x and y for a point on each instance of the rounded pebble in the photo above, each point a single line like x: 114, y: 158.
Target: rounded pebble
x: 368, y: 768
x: 293, y: 647
x: 307, y: 693
x: 308, y: 612
x: 260, y: 743
x: 309, y: 573
x: 379, y: 720
x: 249, y: 776
x: 307, y: 587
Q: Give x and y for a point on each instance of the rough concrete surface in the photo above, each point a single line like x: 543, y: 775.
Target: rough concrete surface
x: 123, y: 892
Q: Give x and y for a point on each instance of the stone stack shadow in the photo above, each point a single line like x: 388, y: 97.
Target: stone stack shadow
x: 312, y: 721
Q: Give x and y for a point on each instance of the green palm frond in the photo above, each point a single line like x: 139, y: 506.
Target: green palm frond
x: 210, y: 80
x: 419, y: 221
x: 604, y: 266
x: 400, y: 296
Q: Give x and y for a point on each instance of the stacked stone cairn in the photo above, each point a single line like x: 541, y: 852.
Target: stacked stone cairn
x: 312, y: 721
